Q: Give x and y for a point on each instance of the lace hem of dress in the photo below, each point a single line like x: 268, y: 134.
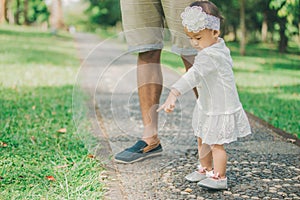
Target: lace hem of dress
x: 220, y: 129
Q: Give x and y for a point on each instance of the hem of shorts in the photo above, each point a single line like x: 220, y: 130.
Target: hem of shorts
x: 226, y: 141
x: 184, y: 51
x: 145, y: 48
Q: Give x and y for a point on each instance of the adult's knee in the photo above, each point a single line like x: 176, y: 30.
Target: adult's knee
x: 152, y: 56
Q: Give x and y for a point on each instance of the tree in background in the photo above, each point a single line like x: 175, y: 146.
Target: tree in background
x: 23, y: 12
x: 265, y: 21
x: 230, y: 9
x: 260, y: 21
x: 38, y: 12
x: 56, y: 16
x: 104, y: 12
x: 2, y: 11
x: 288, y: 20
x: 243, y: 27
x: 17, y: 12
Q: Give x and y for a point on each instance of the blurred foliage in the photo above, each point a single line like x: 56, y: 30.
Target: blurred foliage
x: 288, y: 20
x: 289, y: 9
x: 38, y: 11
x: 104, y: 12
x: 28, y: 11
x: 280, y: 16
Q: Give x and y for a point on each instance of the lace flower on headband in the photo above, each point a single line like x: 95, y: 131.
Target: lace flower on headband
x: 195, y: 20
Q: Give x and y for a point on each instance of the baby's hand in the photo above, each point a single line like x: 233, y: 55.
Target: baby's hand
x: 166, y: 107
x: 169, y: 104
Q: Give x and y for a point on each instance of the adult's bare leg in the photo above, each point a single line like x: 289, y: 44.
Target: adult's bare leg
x: 149, y: 77
x: 188, y: 62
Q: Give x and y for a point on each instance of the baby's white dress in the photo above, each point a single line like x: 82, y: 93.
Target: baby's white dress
x: 218, y: 116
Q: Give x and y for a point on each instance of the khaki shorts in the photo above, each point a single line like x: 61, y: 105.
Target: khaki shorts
x: 144, y: 22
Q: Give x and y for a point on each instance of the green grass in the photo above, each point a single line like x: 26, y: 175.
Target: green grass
x: 268, y: 83
x: 38, y: 72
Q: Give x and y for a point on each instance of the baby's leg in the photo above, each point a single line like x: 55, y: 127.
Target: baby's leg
x: 220, y: 159
x: 205, y: 155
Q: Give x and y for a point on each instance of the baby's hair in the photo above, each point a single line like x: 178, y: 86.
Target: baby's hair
x: 209, y: 8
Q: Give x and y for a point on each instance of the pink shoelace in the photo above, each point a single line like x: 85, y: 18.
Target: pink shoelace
x: 216, y: 176
x: 201, y: 169
x: 212, y: 175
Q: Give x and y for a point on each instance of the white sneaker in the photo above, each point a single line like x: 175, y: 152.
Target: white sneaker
x: 195, y: 176
x: 199, y: 175
x: 214, y: 182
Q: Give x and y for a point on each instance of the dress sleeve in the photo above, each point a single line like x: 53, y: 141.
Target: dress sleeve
x: 202, y: 67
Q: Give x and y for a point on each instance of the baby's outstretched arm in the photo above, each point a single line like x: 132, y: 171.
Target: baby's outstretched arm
x: 169, y: 104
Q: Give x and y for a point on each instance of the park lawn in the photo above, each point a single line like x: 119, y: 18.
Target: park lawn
x: 43, y: 155
x: 268, y: 83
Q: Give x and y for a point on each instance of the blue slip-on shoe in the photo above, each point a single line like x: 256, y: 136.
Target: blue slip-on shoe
x: 139, y: 151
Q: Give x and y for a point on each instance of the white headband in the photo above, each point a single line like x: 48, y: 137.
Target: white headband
x: 195, y: 20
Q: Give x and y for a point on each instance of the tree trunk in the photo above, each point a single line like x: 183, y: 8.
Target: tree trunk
x: 264, y: 28
x: 299, y: 31
x: 234, y: 33
x: 2, y: 11
x: 243, y: 28
x: 283, y: 38
x: 9, y: 15
x: 6, y: 11
x: 26, y: 21
x: 17, y: 14
x: 56, y: 16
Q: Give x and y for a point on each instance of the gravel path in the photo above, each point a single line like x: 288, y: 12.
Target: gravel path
x: 261, y: 166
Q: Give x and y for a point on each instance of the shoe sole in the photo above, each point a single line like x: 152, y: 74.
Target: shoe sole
x: 139, y: 159
x: 193, y: 181
x: 210, y: 188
